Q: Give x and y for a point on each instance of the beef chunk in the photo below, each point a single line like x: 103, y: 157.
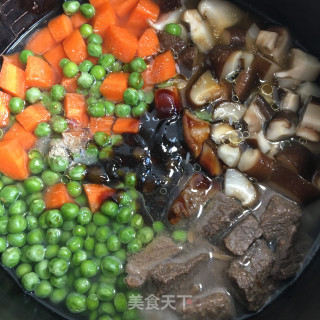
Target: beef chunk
x: 169, y: 41
x: 197, y: 192
x: 243, y: 235
x: 217, y: 215
x: 140, y: 264
x: 215, y: 305
x: 279, y: 223
x: 172, y: 275
x: 251, y: 274
x: 169, y: 5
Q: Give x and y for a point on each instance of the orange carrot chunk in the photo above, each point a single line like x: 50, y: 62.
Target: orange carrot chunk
x: 26, y: 139
x: 75, y: 47
x: 121, y: 43
x: 103, y: 124
x: 70, y: 84
x: 39, y: 73
x: 12, y: 79
x: 148, y: 44
x: 114, y: 85
x: 60, y: 27
x: 123, y: 7
x: 14, y: 59
x: 41, y: 42
x: 54, y: 55
x: 4, y: 109
x: 78, y: 20
x: 31, y: 116
x: 98, y: 3
x: 104, y: 17
x: 161, y: 69
x: 129, y: 125
x: 13, y: 160
x: 76, y: 110
x: 56, y: 196
x: 97, y: 194
x: 144, y: 11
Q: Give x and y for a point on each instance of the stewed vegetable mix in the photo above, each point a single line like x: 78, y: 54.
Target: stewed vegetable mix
x: 81, y: 83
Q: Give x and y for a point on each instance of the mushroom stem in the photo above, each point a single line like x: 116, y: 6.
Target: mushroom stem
x: 229, y: 155
x: 251, y: 36
x: 308, y: 89
x: 220, y: 132
x: 290, y: 101
x: 238, y: 186
x: 229, y: 111
x: 234, y: 36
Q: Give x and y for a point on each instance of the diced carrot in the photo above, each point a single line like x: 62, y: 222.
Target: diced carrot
x: 14, y: 59
x: 60, y: 27
x: 13, y: 160
x: 144, y: 11
x: 4, y: 109
x: 123, y: 7
x: 94, y: 60
x: 103, y: 124
x: 78, y: 20
x: 98, y: 3
x: 41, y: 42
x: 75, y: 108
x: 161, y: 69
x: 70, y: 84
x: 104, y: 17
x: 54, y: 56
x: 148, y: 44
x: 39, y: 73
x: 114, y: 85
x: 75, y: 47
x: 12, y: 79
x: 121, y: 43
x: 126, y: 125
x: 26, y: 139
x: 31, y: 116
x: 97, y: 194
x: 56, y: 196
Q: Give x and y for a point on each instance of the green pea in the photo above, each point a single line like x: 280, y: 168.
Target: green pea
x: 138, y: 65
x: 126, y: 67
x: 79, y: 230
x: 75, y: 243
x: 35, y: 154
x: 16, y: 224
x: 116, y: 226
x: 116, y: 66
x: 22, y: 269
x: 35, y: 252
x: 32, y: 222
x: 125, y: 214
x: 50, y: 178
x: 158, y: 227
x: 55, y: 107
x: 58, y: 92
x: 33, y: 184
x: 131, y: 97
x: 89, y: 244
x: 98, y: 72
x: 69, y: 211
x: 97, y: 110
x: 86, y: 30
x: 70, y: 7
x: 113, y: 243
x: 120, y: 302
x: 101, y: 138
x: 70, y: 69
x: 91, y: 229
x: 174, y: 29
x: 64, y: 253
x: 95, y: 38
x: 82, y: 285
x: 127, y: 234
x: 43, y: 289
x: 3, y: 244
x: 122, y: 110
x: 59, y: 282
x: 94, y: 91
x: 33, y: 95
x: 109, y: 107
x: 106, y: 291
x: 140, y: 109
x: 107, y: 60
x: 131, y: 315
x: 88, y: 268
x: 87, y: 10
x: 85, y: 80
x: 63, y: 62
x: 84, y: 216
x: 59, y: 124
x: 30, y: 281
x: 4, y: 224
x: 111, y: 266
x: 92, y: 301
x: 116, y: 139
x: 103, y: 233
x: 18, y: 207
x: 145, y: 235
x: 85, y: 66
x: 58, y: 295
x: 42, y: 269
x: 101, y: 250
x: 11, y: 257
x: 110, y: 208
x: 17, y: 239
x: 130, y: 180
x: 100, y: 220
x: 16, y: 105
x: 53, y: 236
x: 106, y: 153
x: 81, y: 200
x: 94, y: 50
x: 78, y: 257
x: 92, y: 151
x: 136, y: 80
x: 36, y: 166
x: 58, y: 267
x: 35, y: 236
x: 137, y: 222
x: 74, y: 188
x: 134, y: 246
x: 180, y: 236
x: 58, y: 163
x: 24, y: 56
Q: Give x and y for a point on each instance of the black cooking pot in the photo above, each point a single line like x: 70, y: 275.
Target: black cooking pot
x: 301, y: 300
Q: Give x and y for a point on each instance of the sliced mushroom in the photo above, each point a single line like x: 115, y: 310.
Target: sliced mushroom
x: 283, y: 125
x: 257, y: 114
x: 229, y: 155
x: 209, y: 159
x: 256, y: 164
x: 234, y: 36
x: 275, y: 43
x: 265, y: 68
x: 251, y: 36
x: 205, y: 90
x: 169, y: 41
x: 187, y: 61
x: 259, y: 141
x: 238, y: 186
x: 200, y: 30
x: 297, y: 158
x: 308, y: 134
x: 172, y: 16
x: 307, y: 90
x: 220, y: 132
x: 310, y: 120
x: 303, y: 67
x: 245, y: 82
x: 288, y: 83
x: 220, y: 14
x: 196, y: 132
x: 289, y: 101
x: 229, y: 111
